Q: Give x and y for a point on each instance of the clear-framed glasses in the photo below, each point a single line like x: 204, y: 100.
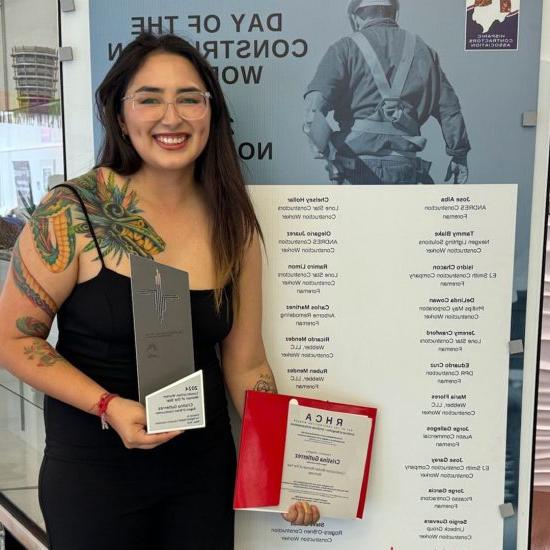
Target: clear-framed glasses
x: 151, y: 106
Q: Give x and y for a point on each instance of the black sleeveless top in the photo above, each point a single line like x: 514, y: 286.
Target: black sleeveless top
x: 96, y: 335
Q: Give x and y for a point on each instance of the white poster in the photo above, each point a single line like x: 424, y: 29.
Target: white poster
x: 397, y: 297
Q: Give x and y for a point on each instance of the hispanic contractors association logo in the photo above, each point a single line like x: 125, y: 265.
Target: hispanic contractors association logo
x: 492, y: 24
x: 159, y: 298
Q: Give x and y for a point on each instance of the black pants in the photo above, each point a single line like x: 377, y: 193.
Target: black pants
x: 145, y: 500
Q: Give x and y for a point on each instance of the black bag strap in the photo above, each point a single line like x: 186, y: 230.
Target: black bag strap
x: 85, y: 211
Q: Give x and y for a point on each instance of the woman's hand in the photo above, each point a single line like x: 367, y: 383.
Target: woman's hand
x: 302, y: 513
x: 128, y: 419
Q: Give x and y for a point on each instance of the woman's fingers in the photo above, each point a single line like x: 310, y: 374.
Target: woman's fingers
x: 160, y: 438
x: 143, y: 440
x: 300, y: 516
x: 316, y: 514
x: 128, y: 418
x: 292, y: 514
x: 308, y: 514
x: 302, y: 513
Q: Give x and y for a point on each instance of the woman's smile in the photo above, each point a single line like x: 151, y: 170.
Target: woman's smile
x: 172, y: 141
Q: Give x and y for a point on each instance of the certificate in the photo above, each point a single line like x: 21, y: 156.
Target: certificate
x: 325, y: 457
x: 169, y: 387
x: 296, y: 449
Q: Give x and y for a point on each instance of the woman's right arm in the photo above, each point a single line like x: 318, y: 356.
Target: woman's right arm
x: 42, y: 274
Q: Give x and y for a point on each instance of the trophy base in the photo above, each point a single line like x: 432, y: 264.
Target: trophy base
x: 178, y: 406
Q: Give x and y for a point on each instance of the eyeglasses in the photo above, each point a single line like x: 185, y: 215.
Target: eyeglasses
x: 150, y: 106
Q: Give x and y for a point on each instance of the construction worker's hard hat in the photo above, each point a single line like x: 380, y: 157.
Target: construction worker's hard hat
x: 356, y: 4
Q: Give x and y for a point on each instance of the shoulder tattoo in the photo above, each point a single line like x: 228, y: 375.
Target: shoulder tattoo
x: 115, y: 217
x: 52, y: 231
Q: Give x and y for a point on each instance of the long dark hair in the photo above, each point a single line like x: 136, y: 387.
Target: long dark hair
x: 217, y: 169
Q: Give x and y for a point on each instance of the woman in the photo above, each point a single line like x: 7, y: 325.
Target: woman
x: 167, y: 186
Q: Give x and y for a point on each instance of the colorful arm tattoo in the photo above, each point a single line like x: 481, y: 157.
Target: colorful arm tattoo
x: 119, y: 228
x: 114, y: 214
x: 266, y: 383
x: 30, y: 326
x: 41, y: 350
x: 30, y: 287
x: 53, y: 215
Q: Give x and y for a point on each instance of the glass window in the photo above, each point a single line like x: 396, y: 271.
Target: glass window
x: 31, y: 158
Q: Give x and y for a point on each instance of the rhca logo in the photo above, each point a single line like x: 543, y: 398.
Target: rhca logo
x: 327, y: 420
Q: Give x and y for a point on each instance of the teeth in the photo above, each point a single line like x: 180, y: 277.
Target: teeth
x: 171, y: 140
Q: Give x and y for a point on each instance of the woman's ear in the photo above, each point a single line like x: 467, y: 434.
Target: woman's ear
x: 122, y: 125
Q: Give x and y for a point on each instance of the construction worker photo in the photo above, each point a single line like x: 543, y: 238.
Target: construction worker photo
x: 372, y: 92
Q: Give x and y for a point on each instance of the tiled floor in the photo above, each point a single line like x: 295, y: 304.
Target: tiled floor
x: 21, y: 445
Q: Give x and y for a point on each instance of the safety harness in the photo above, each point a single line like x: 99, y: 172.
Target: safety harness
x: 391, y: 116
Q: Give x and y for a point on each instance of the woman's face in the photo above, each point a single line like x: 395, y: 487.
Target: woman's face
x: 169, y: 142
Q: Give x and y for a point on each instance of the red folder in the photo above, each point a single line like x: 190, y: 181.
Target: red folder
x: 262, y: 447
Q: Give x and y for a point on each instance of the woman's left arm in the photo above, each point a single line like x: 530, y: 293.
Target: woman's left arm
x: 244, y: 363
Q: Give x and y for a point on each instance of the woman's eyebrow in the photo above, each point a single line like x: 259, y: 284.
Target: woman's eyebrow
x: 153, y: 89
x: 149, y: 89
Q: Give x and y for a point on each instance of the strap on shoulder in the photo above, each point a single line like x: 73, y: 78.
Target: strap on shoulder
x: 85, y: 211
x: 386, y: 90
x: 380, y: 79
x: 405, y: 65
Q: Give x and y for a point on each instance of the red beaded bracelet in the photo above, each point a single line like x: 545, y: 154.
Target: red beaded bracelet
x: 102, y: 405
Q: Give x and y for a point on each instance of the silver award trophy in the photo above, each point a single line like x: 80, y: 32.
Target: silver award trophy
x: 169, y: 387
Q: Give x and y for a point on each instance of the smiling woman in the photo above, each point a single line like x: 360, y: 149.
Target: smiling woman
x: 167, y: 186
x: 162, y: 71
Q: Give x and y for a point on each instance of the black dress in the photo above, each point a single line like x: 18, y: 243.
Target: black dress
x: 94, y: 493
